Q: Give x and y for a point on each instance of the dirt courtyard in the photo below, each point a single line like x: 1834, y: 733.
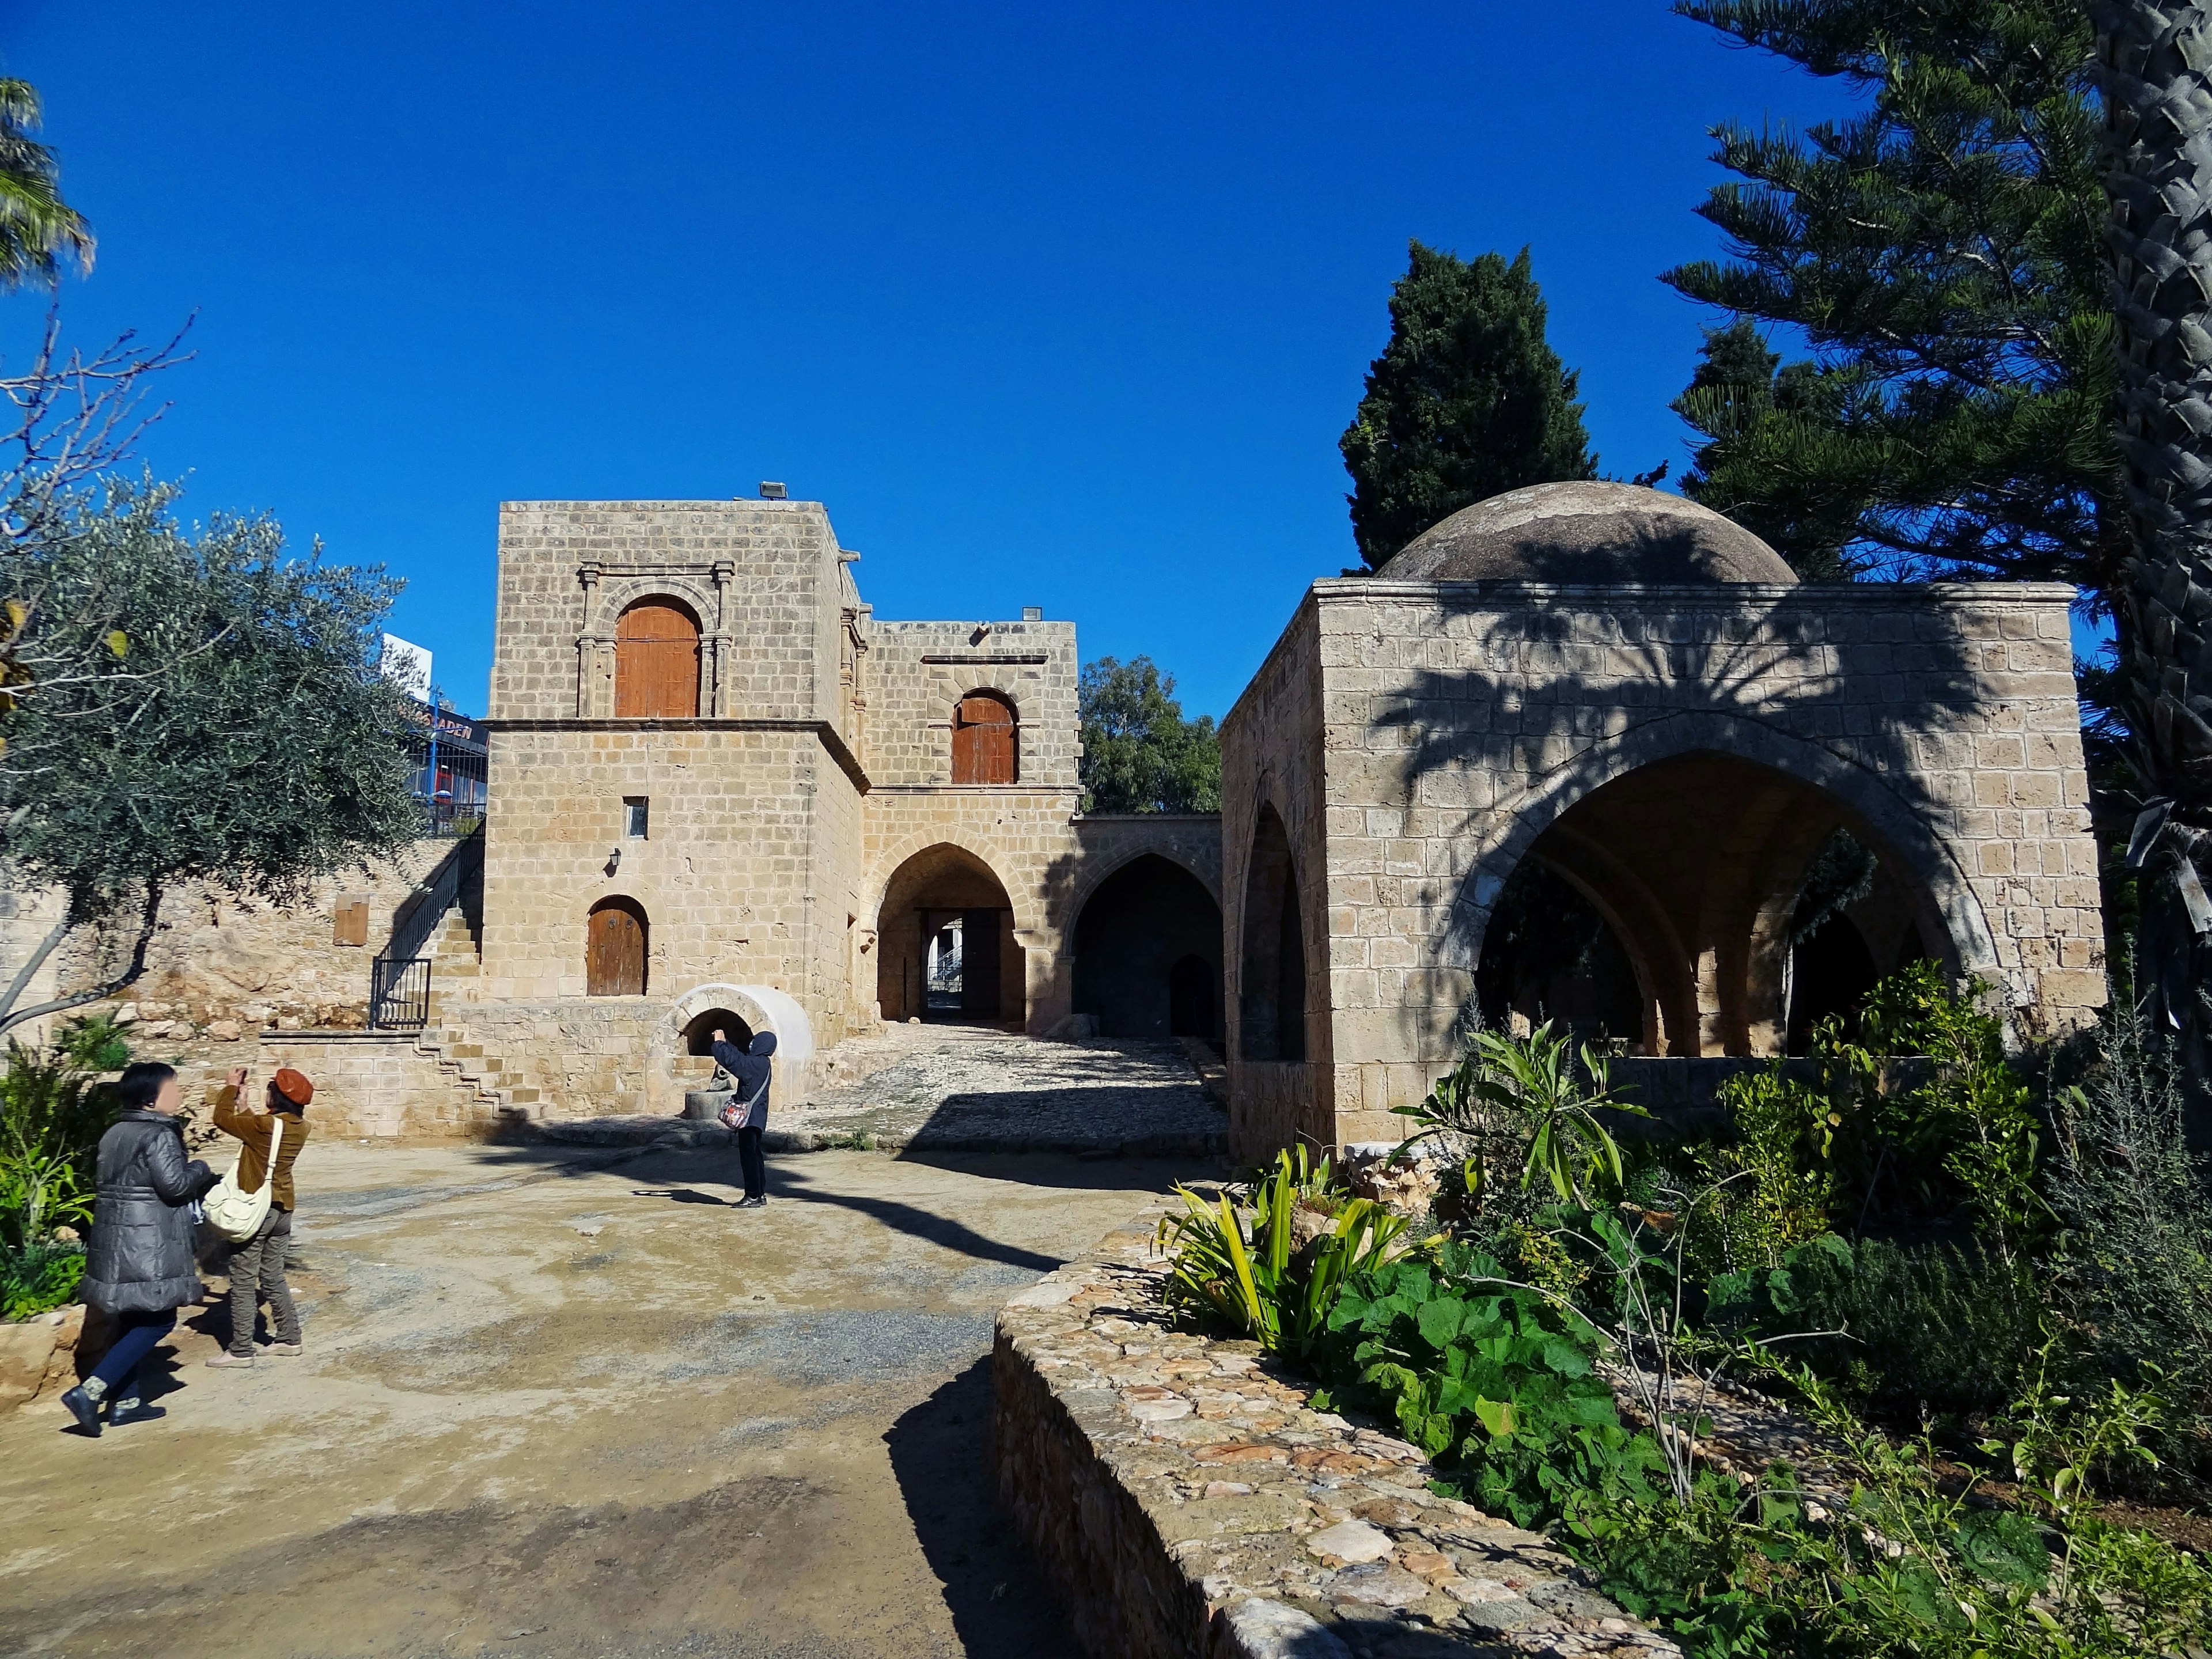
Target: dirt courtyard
x: 553, y: 1405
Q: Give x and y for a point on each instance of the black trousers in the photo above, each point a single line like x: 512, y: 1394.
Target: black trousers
x: 756, y: 1166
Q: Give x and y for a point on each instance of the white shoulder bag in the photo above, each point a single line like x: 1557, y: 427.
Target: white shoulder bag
x: 238, y: 1215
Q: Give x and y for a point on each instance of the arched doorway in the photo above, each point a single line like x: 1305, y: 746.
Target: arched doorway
x: 1695, y: 866
x: 1549, y: 956
x: 699, y: 1032
x: 657, y: 661
x: 1272, y: 1011
x: 1144, y: 924
x: 945, y: 942
x: 616, y: 938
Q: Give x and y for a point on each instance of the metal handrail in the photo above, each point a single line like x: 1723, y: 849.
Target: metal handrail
x: 399, y: 994
x: 419, y: 914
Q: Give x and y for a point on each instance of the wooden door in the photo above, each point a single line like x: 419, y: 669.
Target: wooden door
x: 656, y: 662
x: 614, y: 953
x: 982, y: 742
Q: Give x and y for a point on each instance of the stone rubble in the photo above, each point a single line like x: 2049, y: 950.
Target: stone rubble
x: 1197, y: 1504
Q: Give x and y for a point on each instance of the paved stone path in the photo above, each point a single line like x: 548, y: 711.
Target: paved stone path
x: 562, y: 1403
x: 963, y: 1089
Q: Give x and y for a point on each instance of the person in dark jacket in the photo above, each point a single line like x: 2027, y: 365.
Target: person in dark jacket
x: 750, y: 1068
x: 140, y: 1265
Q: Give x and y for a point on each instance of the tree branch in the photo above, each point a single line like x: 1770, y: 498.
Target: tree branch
x: 149, y: 915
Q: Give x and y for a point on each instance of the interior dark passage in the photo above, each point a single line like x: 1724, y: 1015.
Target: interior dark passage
x: 699, y: 1034
x: 1271, y: 994
x: 945, y: 946
x: 1702, y: 906
x: 1549, y: 956
x: 1148, y: 953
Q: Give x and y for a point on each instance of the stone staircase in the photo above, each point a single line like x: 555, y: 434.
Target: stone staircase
x: 456, y: 964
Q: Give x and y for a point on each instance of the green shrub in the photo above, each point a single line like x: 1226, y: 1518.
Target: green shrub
x: 2135, y: 1257
x: 52, y: 1114
x: 1261, y: 1279
x: 35, y: 1278
x: 1495, y: 1381
x: 1939, y: 1326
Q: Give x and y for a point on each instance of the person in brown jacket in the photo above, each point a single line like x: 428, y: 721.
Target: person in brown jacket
x: 257, y: 1266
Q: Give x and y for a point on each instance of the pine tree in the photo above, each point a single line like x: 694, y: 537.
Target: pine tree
x: 1942, y: 254
x: 1741, y: 386
x: 1466, y: 402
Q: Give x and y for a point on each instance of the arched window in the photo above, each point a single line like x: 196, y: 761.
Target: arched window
x: 1274, y: 954
x: 614, y: 949
x: 657, y: 661
x: 983, y: 740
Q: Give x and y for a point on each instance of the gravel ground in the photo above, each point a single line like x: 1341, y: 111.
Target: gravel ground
x: 567, y: 1403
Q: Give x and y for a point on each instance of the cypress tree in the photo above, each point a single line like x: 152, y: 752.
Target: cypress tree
x: 1466, y: 402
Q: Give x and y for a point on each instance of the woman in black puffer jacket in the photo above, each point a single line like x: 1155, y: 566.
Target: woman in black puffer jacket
x: 140, y: 1267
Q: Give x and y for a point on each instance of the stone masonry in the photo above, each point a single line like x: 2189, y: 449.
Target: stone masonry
x: 1406, y: 743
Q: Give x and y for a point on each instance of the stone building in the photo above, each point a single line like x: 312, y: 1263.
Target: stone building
x: 1637, y: 695
x: 722, y: 791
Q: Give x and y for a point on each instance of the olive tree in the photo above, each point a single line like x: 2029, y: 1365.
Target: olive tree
x: 224, y: 723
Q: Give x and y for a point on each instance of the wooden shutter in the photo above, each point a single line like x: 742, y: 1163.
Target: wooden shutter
x: 983, y: 742
x: 614, y: 953
x: 656, y: 662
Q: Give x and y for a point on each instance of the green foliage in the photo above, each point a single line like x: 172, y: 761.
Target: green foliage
x: 1523, y: 1100
x: 37, y: 1277
x: 51, y: 1116
x: 1496, y: 1383
x: 1260, y: 1277
x: 1938, y: 1326
x: 1140, y: 754
x: 1915, y: 1114
x: 52, y: 1113
x: 1467, y: 401
x: 257, y: 665
x: 38, y: 230
x: 1918, y: 1561
x: 2135, y: 1257
x: 1942, y: 251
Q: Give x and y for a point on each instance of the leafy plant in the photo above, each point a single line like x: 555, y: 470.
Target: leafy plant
x: 1935, y: 1326
x: 1496, y: 1380
x: 51, y: 1117
x: 1523, y: 1100
x: 1262, y: 1278
x: 37, y: 1277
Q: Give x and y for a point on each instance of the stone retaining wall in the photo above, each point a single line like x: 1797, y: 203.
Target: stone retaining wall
x: 1191, y: 1505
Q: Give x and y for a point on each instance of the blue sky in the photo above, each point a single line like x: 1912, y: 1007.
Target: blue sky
x: 1052, y: 306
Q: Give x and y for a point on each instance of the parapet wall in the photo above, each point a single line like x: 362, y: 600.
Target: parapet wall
x: 1190, y: 1504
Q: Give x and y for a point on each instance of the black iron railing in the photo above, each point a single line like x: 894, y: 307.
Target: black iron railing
x: 399, y: 994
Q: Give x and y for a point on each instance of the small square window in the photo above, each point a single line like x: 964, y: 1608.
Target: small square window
x: 633, y: 817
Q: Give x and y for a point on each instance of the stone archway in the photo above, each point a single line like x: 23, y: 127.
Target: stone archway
x: 1696, y: 861
x: 1136, y: 929
x: 945, y: 946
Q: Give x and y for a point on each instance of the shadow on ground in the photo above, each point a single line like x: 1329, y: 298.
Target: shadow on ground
x: 1001, y: 1604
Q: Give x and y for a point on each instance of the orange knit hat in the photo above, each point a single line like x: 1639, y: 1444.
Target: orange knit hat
x: 294, y: 1087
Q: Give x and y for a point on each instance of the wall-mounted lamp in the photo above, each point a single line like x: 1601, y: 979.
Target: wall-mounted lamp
x: 614, y: 860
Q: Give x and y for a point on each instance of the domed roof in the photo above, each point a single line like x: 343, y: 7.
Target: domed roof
x: 1588, y: 532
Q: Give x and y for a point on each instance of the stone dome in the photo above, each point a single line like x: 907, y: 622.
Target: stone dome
x: 1588, y: 532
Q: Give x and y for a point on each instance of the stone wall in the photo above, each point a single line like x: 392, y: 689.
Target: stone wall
x: 763, y: 578
x: 916, y: 672
x: 221, y: 969
x: 1188, y: 1502
x: 373, y: 1084
x: 1460, y: 721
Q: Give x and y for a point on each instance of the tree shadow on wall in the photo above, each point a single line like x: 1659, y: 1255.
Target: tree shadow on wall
x: 1760, y: 685
x: 1003, y: 1605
